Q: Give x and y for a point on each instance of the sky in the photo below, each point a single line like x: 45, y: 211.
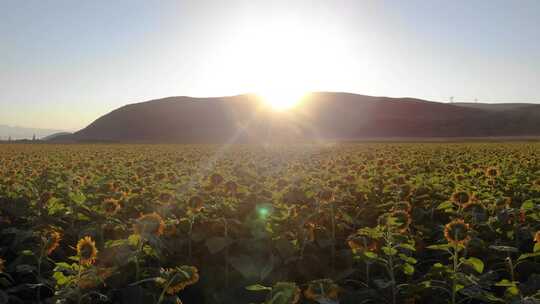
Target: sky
x: 65, y: 63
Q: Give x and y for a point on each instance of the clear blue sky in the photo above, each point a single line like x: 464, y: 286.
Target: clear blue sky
x: 65, y: 63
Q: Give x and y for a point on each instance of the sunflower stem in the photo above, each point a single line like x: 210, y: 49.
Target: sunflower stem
x: 454, y: 275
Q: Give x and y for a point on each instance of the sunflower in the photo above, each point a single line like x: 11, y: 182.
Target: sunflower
x: 178, y: 278
x: 231, y: 187
x: 461, y: 197
x: 87, y: 251
x: 196, y: 204
x: 326, y: 196
x: 457, y: 232
x: 110, y: 206
x: 362, y: 243
x: 51, y: 241
x: 151, y: 223
x: 324, y: 289
x: 492, y: 172
x: 216, y: 179
x: 284, y: 292
x: 165, y: 197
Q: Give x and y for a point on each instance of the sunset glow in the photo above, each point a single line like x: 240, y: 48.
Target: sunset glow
x: 281, y: 100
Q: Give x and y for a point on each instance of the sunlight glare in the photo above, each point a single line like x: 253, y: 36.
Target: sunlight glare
x: 282, y: 99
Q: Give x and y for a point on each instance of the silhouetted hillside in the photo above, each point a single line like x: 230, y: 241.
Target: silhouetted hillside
x: 328, y: 116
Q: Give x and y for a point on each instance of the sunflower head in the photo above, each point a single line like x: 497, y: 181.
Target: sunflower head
x: 284, y: 292
x: 461, y: 197
x: 216, y: 179
x: 165, y: 197
x: 492, y: 172
x: 231, y: 187
x: 196, y: 203
x: 87, y: 251
x: 178, y: 278
x: 320, y: 290
x: 110, y: 206
x: 149, y: 224
x: 457, y: 232
x: 326, y: 196
x: 362, y: 243
x: 51, y: 241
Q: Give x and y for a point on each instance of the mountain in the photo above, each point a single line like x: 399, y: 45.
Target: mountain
x: 495, y: 106
x: 322, y: 115
x: 17, y: 133
x: 55, y: 135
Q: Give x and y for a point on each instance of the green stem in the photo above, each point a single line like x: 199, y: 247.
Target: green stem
x: 454, y: 275
x: 226, y: 234
x: 137, y: 262
x: 79, y: 297
x: 392, y: 278
x: 189, y: 237
x: 333, y: 219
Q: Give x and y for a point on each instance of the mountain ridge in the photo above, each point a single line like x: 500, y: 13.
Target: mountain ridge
x: 322, y: 116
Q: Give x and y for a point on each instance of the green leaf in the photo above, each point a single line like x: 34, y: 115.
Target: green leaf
x: 528, y: 255
x: 389, y: 251
x: 476, y: 264
x: 505, y: 283
x: 514, y: 291
x: 445, y: 205
x: 504, y: 248
x: 528, y: 205
x: 408, y: 269
x: 62, y: 266
x: 407, y: 246
x: 27, y: 252
x: 438, y: 265
x: 258, y: 287
x: 60, y: 278
x: 134, y: 239
x: 444, y: 247
x: 408, y: 259
x: 78, y: 198
x: 370, y: 255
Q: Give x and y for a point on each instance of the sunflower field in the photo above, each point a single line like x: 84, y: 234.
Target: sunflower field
x: 335, y: 223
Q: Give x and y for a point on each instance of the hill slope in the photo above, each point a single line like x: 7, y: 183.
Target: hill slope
x: 322, y: 115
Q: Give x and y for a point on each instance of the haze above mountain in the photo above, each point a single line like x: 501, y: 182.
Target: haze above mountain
x: 321, y: 116
x: 17, y: 133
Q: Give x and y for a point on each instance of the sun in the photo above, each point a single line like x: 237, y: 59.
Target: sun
x: 282, y: 99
